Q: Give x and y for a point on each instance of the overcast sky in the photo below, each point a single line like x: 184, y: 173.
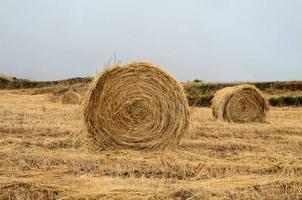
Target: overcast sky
x: 211, y: 40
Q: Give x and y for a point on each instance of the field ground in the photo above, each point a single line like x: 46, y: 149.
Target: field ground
x: 43, y: 155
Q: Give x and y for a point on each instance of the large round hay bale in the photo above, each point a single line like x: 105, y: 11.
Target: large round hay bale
x: 71, y: 97
x: 243, y: 103
x: 136, y: 106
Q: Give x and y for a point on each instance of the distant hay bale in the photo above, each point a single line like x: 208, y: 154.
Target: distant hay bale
x: 71, y: 97
x: 136, y: 106
x: 243, y: 103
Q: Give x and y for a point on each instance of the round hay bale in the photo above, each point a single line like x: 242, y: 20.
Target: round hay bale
x: 136, y: 106
x: 71, y: 97
x: 243, y: 103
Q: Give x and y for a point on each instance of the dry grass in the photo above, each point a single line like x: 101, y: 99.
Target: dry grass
x: 40, y: 159
x: 136, y: 106
x: 242, y: 103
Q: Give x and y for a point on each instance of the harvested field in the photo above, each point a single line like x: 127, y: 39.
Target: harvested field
x: 43, y: 156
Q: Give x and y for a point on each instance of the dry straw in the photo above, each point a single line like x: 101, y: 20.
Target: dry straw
x: 71, y: 97
x: 243, y: 103
x: 136, y: 106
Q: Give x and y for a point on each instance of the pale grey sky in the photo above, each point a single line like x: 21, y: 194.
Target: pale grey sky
x: 212, y: 40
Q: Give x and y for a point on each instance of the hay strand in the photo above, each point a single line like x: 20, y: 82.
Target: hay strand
x: 243, y: 103
x: 136, y: 106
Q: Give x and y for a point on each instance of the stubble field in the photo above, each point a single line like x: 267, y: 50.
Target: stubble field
x: 44, y: 155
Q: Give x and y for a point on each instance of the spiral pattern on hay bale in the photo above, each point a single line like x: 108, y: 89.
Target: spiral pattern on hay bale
x: 136, y: 106
x: 71, y: 97
x: 243, y: 103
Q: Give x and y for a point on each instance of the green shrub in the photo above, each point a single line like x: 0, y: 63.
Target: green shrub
x: 197, y: 88
x: 200, y: 101
x: 286, y: 101
x: 274, y: 101
x: 289, y: 100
